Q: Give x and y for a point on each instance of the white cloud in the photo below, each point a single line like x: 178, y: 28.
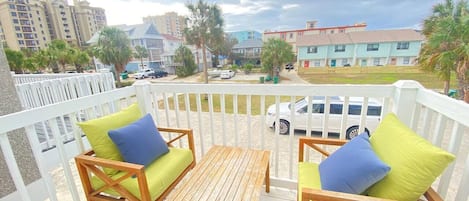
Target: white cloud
x: 289, y: 6
x: 245, y: 8
x: 132, y: 11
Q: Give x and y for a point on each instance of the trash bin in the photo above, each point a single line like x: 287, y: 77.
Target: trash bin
x: 275, y: 80
x: 268, y: 78
x: 452, y: 93
x: 261, y: 79
x: 124, y: 76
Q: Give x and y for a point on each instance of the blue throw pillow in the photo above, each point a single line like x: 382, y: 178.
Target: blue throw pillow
x: 353, y: 168
x: 139, y: 142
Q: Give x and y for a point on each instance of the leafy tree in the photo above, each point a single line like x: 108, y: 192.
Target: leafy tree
x: 447, y: 46
x: 248, y: 68
x: 58, y: 54
x: 186, y: 60
x: 140, y: 52
x: 79, y: 58
x: 113, y: 48
x: 205, y: 27
x: 15, y: 60
x: 275, y: 53
x: 42, y: 59
x: 227, y: 47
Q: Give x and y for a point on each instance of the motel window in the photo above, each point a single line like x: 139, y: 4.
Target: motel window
x: 372, y: 47
x: 344, y: 61
x: 339, y: 48
x: 376, y: 61
x: 406, y: 60
x: 317, y: 63
x: 403, y: 46
x: 313, y: 49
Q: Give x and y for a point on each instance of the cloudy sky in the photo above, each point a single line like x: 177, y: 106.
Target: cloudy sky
x: 272, y: 15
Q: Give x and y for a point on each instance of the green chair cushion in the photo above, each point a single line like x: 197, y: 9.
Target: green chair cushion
x: 160, y: 174
x: 415, y: 163
x: 96, y: 130
x: 308, y: 176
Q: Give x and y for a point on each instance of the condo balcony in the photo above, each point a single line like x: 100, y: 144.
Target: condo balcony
x: 219, y: 114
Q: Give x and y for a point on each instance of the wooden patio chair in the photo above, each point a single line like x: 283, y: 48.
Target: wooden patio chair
x: 116, y: 187
x: 324, y: 195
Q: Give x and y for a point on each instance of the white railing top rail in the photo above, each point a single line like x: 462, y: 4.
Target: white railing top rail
x: 27, y: 78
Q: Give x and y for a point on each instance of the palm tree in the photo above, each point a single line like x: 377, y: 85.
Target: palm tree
x: 205, y: 26
x: 447, y: 46
x: 184, y: 57
x: 275, y: 53
x: 113, y: 48
x: 15, y: 60
x: 140, y: 52
x: 58, y: 54
x: 79, y: 58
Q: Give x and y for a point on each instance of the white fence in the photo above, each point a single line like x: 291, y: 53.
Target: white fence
x: 36, y: 90
x: 216, y: 121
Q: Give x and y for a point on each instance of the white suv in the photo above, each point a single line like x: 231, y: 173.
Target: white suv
x: 335, y: 115
x: 144, y: 73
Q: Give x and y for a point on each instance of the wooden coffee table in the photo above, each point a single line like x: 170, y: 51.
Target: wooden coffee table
x: 226, y: 173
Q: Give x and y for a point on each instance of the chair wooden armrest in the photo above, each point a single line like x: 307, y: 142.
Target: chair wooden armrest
x: 323, y: 195
x: 88, y: 164
x: 313, y: 142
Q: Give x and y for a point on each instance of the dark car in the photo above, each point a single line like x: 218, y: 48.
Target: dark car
x: 289, y: 66
x: 158, y: 74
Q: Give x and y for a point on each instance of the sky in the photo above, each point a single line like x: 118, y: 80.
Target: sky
x: 277, y: 15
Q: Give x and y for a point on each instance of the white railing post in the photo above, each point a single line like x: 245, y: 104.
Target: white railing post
x: 404, y: 100
x: 142, y: 88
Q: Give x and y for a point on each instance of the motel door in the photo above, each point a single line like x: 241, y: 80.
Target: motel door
x: 364, y: 63
x: 306, y: 64
x: 333, y: 63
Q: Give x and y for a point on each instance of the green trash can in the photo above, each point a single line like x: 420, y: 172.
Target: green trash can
x: 268, y: 78
x: 261, y: 79
x: 452, y: 93
x: 124, y: 76
x: 275, y: 80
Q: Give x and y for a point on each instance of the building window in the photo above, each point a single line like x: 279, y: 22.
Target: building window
x: 291, y: 35
x: 332, y: 31
x: 376, y: 61
x: 12, y: 6
x: 341, y: 30
x: 345, y: 61
x: 19, y: 35
x: 17, y: 28
x: 21, y: 42
x: 339, y: 48
x: 402, y: 45
x: 406, y: 60
x: 313, y: 49
x: 372, y: 47
x: 317, y: 63
x: 15, y: 21
x: 13, y: 14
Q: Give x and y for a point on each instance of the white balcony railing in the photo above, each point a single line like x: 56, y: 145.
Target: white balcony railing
x: 440, y: 119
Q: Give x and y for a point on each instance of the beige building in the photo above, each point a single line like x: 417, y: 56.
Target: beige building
x: 24, y: 24
x: 60, y: 21
x: 32, y: 24
x: 170, y: 23
x: 291, y: 36
x: 88, y: 20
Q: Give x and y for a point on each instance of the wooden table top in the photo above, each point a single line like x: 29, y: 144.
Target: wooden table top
x: 226, y: 173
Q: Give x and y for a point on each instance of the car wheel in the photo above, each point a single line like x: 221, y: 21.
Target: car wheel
x: 354, y: 132
x: 284, y: 127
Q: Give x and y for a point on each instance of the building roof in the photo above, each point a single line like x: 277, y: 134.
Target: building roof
x: 317, y: 28
x: 170, y: 37
x: 360, y: 37
x: 251, y: 43
x: 137, y: 31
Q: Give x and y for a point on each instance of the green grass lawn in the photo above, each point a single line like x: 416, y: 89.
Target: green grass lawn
x: 242, y: 102
x: 371, y: 75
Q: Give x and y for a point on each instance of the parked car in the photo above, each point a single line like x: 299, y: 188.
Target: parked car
x: 335, y: 115
x: 143, y: 73
x: 158, y: 74
x: 227, y: 74
x: 289, y: 66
